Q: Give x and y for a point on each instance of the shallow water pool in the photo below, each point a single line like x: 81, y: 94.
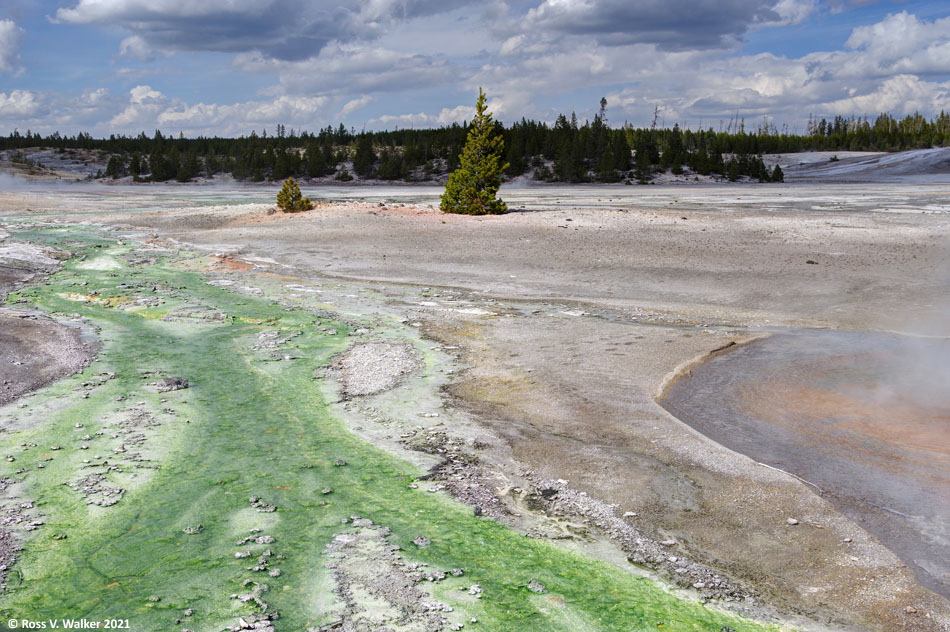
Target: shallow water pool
x: 863, y: 417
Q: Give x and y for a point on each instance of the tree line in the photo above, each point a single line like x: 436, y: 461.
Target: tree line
x: 567, y: 151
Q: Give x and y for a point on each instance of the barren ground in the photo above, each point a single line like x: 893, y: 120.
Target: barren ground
x: 570, y: 315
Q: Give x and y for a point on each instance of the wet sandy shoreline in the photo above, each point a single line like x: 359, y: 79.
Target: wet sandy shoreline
x: 860, y: 416
x: 619, y: 298
x: 35, y: 350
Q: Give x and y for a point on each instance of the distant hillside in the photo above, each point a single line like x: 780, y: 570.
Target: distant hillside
x: 919, y: 166
x: 566, y: 151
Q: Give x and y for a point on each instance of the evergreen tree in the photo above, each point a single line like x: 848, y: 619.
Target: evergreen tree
x: 365, y: 157
x: 156, y: 162
x: 189, y: 168
x: 472, y: 188
x: 212, y: 166
x: 732, y: 170
x: 391, y: 166
x: 572, y: 151
x: 621, y: 151
x: 282, y: 162
x: 316, y: 161
x: 115, y: 167
x: 135, y: 166
x: 172, y: 163
x: 644, y: 168
x: 291, y: 200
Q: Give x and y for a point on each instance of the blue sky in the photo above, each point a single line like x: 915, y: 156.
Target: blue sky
x: 227, y: 67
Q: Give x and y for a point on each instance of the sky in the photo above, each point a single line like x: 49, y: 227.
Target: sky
x: 227, y: 67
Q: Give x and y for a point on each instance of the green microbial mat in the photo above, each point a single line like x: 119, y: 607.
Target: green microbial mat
x: 153, y: 508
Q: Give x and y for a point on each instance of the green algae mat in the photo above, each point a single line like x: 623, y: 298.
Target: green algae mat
x: 240, y: 501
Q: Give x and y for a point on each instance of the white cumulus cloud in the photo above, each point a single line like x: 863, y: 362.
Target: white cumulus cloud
x: 902, y: 43
x: 147, y: 108
x: 355, y: 104
x: 447, y: 116
x: 19, y: 103
x: 136, y: 47
x: 11, y: 36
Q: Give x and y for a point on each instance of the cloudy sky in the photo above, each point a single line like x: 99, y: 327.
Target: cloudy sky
x: 227, y: 67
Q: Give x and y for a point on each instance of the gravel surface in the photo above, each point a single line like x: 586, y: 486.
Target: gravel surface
x: 21, y: 264
x: 374, y: 367
x: 378, y: 589
x: 36, y: 350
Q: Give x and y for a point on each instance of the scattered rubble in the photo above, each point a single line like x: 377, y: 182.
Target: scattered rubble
x: 377, y: 588
x: 171, y: 384
x: 261, y: 506
x: 556, y: 498
x: 196, y: 314
x: 536, y: 587
x: 94, y: 489
x: 459, y: 472
x: 422, y: 541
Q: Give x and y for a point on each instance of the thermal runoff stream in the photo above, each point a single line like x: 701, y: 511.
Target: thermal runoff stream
x: 194, y: 477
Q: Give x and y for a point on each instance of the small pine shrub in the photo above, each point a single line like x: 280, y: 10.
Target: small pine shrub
x: 291, y: 200
x: 472, y: 188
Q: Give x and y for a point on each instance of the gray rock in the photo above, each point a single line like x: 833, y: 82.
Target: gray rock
x: 536, y: 587
x: 171, y: 384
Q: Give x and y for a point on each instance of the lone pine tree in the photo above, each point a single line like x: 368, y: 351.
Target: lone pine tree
x: 291, y: 200
x: 472, y: 188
